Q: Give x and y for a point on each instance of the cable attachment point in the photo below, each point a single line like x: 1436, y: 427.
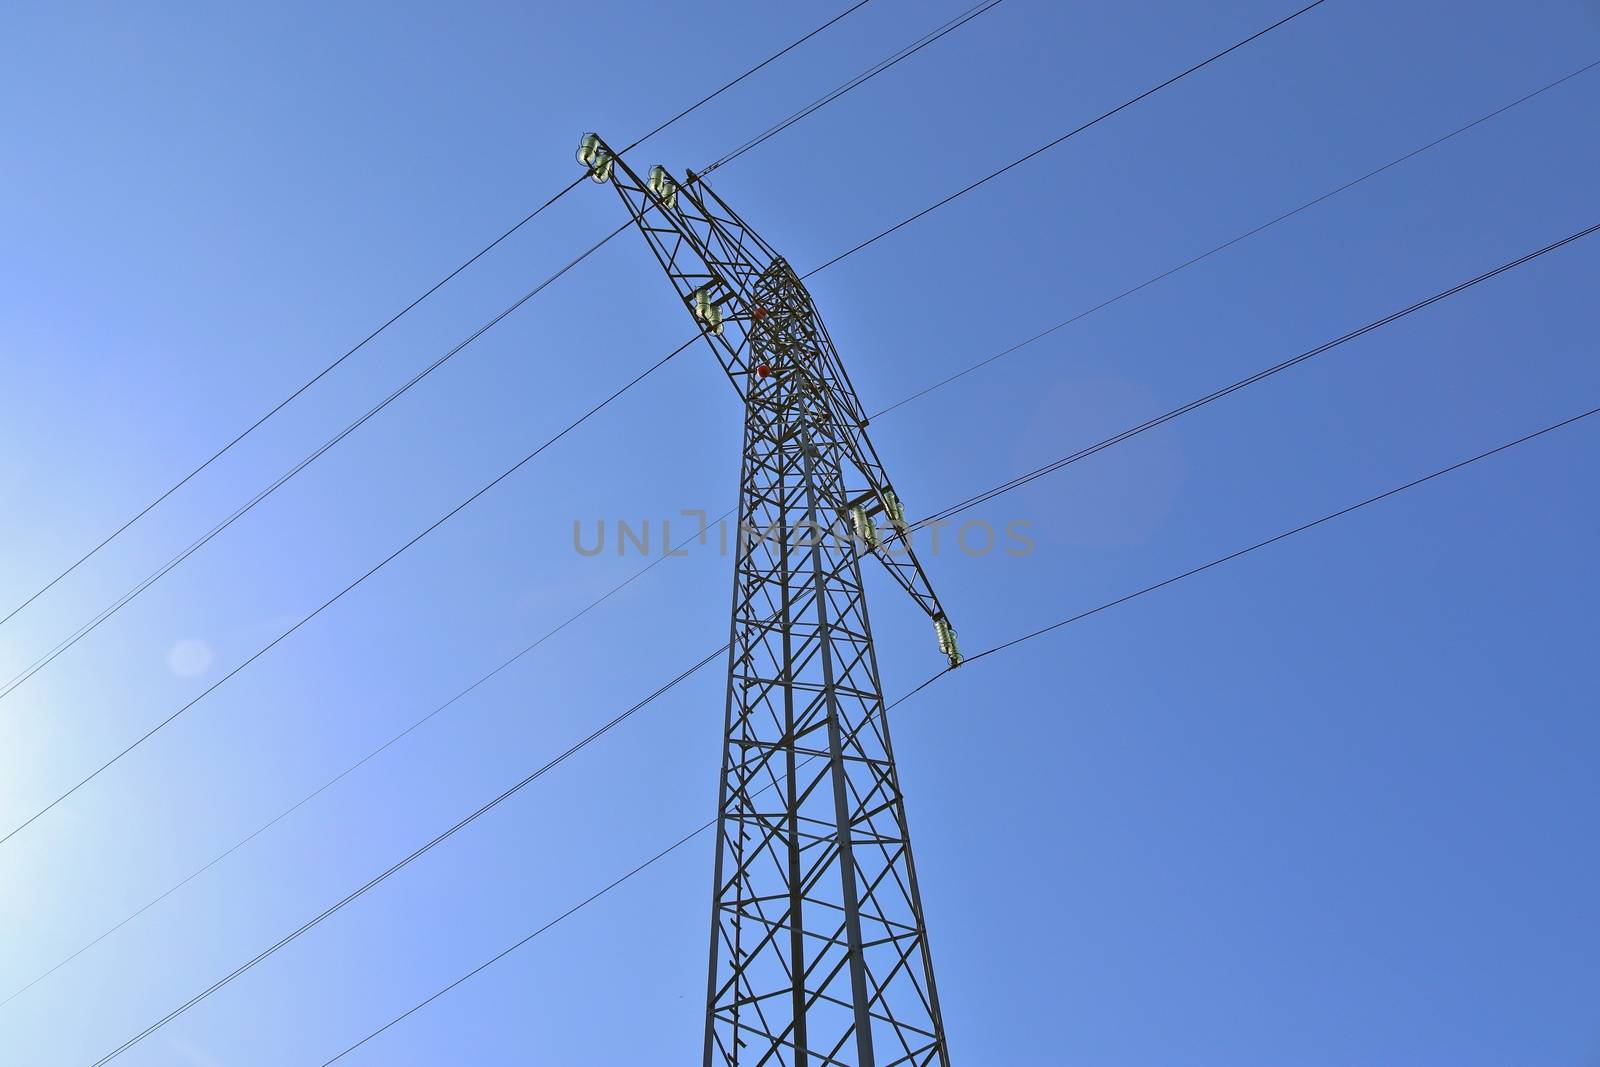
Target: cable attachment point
x: 593, y: 154
x: 947, y: 640
x: 705, y: 309
x: 662, y: 187
x: 893, y: 508
x: 866, y: 531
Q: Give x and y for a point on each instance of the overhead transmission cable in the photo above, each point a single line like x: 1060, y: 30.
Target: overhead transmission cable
x: 779, y: 54
x: 264, y: 649
x: 1254, y: 231
x: 618, y: 720
x: 106, y: 613
x: 440, y: 284
x: 424, y: 849
x: 114, y: 759
x: 352, y: 768
x: 867, y: 75
x: 642, y: 571
x: 1242, y: 383
x: 1003, y: 646
x: 321, y: 450
x: 509, y: 949
x: 1063, y: 138
x: 1285, y: 535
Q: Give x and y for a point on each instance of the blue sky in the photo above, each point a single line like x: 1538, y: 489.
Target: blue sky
x: 1324, y: 806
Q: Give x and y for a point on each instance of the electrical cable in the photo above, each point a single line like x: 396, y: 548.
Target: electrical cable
x: 617, y: 720
x: 502, y: 476
x: 106, y: 613
x: 1314, y: 523
x: 379, y: 879
x: 403, y: 312
x: 111, y: 610
x: 12, y: 686
x: 1064, y: 137
x: 331, y: 782
x: 239, y: 512
x: 1261, y: 375
x: 592, y: 898
x: 486, y: 964
x: 776, y: 55
x: 867, y: 75
x: 1168, y: 581
x: 1170, y: 271
x: 936, y: 517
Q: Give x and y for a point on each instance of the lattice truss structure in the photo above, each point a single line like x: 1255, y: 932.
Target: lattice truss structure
x: 819, y: 951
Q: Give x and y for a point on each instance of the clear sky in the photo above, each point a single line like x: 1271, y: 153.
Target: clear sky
x: 1332, y: 804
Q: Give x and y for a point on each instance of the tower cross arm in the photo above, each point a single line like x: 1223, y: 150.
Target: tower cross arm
x: 758, y: 319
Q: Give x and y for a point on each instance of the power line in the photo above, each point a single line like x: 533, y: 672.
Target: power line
x: 610, y: 725
x: 441, y: 283
x: 1069, y: 134
x: 1070, y: 620
x: 348, y: 770
x: 239, y: 512
x: 936, y: 517
x: 106, y: 613
x: 776, y: 55
x: 286, y: 401
x: 508, y: 950
x: 441, y: 837
x: 867, y: 75
x: 1219, y: 561
x: 352, y: 768
x: 260, y: 652
x: 1242, y: 383
x: 594, y: 736
x: 987, y: 652
x: 340, y: 594
x: 1170, y: 271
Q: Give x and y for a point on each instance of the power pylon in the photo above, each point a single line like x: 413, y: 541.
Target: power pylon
x: 819, y: 950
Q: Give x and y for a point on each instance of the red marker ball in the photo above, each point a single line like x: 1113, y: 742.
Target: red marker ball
x: 762, y: 370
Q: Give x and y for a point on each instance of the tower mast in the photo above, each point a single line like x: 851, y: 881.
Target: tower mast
x: 819, y: 949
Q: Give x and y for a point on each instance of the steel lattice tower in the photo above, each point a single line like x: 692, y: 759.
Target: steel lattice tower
x: 819, y: 951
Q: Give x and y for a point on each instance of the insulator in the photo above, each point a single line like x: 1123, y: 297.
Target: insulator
x: 662, y: 185
x: 866, y: 530
x: 893, y: 508
x: 947, y: 640
x: 706, y: 310
x: 595, y: 156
